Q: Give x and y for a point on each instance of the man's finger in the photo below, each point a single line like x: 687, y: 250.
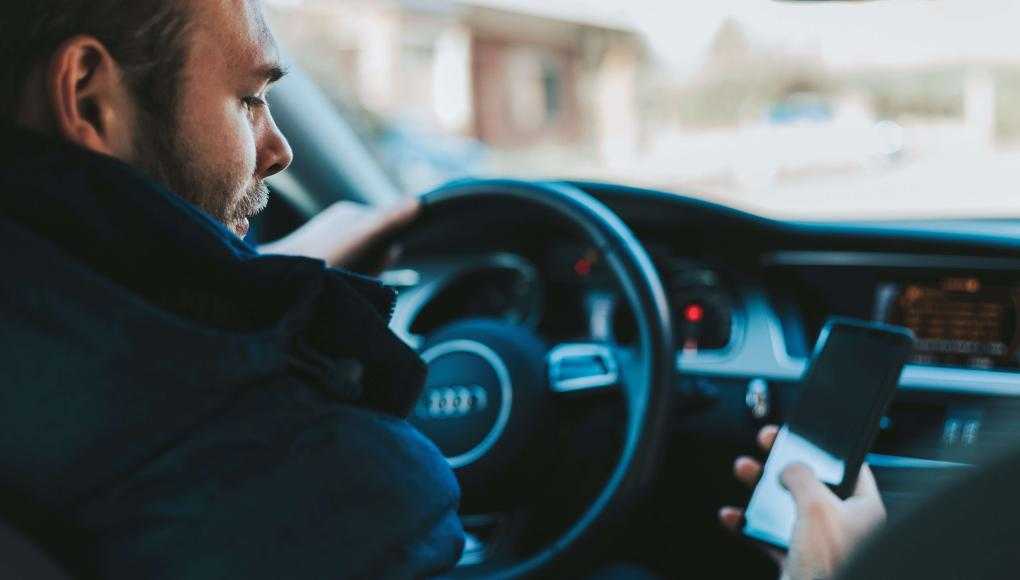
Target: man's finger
x: 731, y: 518
x: 399, y: 214
x: 747, y: 470
x: 368, y: 247
x: 393, y: 255
x: 373, y: 227
x: 866, y: 485
x: 375, y: 263
x: 802, y: 484
x: 767, y: 437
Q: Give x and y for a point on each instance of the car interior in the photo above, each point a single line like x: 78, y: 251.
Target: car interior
x: 617, y: 447
x: 637, y: 338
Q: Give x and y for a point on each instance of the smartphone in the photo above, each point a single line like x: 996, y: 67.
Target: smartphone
x: 846, y: 389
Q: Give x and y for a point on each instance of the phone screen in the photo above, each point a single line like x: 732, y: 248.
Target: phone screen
x: 846, y: 389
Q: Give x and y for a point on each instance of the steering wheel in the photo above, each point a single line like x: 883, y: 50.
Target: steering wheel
x: 490, y: 382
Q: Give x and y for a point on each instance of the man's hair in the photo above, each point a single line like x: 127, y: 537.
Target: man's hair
x: 147, y: 38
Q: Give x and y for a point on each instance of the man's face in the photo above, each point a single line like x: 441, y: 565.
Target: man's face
x: 223, y: 141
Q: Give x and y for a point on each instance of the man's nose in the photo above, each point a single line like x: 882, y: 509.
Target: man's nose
x: 274, y: 153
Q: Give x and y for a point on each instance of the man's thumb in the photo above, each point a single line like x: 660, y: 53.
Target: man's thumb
x: 802, y: 483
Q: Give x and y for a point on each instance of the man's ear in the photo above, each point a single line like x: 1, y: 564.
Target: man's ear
x: 90, y: 100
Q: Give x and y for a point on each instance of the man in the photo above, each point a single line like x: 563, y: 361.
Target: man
x: 173, y: 403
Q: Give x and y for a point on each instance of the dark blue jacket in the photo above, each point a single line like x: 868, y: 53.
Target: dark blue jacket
x: 174, y: 405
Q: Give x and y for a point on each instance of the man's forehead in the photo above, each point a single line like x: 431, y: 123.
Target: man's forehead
x: 238, y: 30
x: 259, y: 29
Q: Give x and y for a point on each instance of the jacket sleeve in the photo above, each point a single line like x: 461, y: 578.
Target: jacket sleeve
x: 349, y: 494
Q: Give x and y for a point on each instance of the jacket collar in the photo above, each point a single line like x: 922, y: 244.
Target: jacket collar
x: 134, y: 232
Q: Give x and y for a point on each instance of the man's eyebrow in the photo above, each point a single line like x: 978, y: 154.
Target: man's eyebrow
x: 272, y: 73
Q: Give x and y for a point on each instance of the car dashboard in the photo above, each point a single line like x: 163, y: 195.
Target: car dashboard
x: 747, y: 296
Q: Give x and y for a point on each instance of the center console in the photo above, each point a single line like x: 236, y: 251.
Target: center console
x: 959, y: 397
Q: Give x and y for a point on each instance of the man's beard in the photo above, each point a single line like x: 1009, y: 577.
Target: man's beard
x: 163, y: 154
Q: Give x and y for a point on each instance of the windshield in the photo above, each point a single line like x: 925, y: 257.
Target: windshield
x: 876, y: 110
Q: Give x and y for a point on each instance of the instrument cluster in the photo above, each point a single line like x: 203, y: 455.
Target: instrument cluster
x: 701, y: 301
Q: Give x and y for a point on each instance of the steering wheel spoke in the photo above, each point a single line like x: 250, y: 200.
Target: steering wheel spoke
x: 583, y: 367
x: 490, y: 538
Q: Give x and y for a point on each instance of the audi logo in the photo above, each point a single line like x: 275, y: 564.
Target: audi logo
x: 451, y: 402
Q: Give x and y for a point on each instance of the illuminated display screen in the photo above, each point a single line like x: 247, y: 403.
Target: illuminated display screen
x: 959, y: 321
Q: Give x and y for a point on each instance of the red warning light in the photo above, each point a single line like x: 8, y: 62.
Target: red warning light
x: 694, y: 313
x: 583, y: 267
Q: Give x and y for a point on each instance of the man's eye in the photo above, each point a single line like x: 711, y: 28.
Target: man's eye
x: 253, y: 102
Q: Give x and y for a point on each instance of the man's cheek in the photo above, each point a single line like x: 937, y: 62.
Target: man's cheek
x: 244, y: 148
x: 236, y: 151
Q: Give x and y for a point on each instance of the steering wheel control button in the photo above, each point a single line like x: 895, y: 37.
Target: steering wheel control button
x: 580, y: 367
x: 758, y: 399
x: 466, y: 401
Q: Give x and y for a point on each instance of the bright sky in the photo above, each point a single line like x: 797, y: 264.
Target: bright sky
x: 885, y: 32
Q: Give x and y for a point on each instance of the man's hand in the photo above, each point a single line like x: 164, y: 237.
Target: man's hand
x: 348, y: 235
x: 827, y: 528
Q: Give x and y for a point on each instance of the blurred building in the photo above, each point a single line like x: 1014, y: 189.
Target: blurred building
x: 512, y: 78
